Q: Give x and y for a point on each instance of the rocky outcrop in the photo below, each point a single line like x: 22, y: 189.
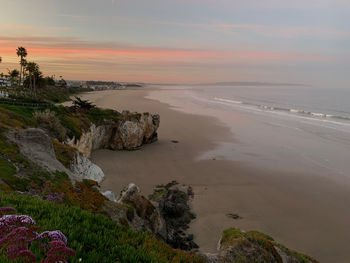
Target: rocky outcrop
x: 83, y: 168
x: 37, y: 146
x: 253, y: 246
x: 130, y: 133
x: 136, y: 130
x: 133, y: 209
x: 173, y: 203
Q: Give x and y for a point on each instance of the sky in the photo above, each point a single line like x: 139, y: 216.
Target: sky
x: 181, y: 41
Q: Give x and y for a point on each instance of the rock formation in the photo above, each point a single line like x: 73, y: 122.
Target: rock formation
x: 253, y: 246
x: 173, y: 203
x: 134, y: 210
x: 130, y: 133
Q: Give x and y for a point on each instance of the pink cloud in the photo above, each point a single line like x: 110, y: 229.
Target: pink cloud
x: 78, y: 59
x: 56, y: 47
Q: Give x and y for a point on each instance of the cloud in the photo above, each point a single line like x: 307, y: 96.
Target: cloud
x: 79, y: 59
x: 323, y: 32
x: 55, y: 46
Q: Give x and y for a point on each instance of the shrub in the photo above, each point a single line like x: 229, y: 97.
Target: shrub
x: 78, y: 103
x: 48, y: 120
x: 64, y: 153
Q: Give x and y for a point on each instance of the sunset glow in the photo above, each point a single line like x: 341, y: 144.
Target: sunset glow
x: 182, y: 41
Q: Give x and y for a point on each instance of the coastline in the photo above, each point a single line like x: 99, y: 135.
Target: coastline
x: 276, y: 203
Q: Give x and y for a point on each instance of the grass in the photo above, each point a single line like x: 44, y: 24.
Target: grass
x: 75, y: 124
x: 15, y: 117
x: 95, y: 238
x: 64, y: 153
x: 98, y: 115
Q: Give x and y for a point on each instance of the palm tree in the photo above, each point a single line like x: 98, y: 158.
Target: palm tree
x: 34, y: 73
x: 13, y: 75
x: 21, y: 52
x: 24, y: 65
x: 0, y: 59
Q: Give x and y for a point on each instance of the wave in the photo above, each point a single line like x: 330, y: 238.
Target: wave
x: 317, y: 115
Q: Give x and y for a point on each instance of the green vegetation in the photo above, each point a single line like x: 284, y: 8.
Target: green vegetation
x: 64, y: 153
x: 15, y: 117
x: 95, y: 238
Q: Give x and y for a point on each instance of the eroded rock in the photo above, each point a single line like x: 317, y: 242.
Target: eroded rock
x: 83, y: 168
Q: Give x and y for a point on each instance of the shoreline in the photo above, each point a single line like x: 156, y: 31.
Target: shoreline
x: 279, y: 204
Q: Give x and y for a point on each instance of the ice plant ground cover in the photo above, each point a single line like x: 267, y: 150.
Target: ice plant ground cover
x: 18, y: 237
x: 93, y: 237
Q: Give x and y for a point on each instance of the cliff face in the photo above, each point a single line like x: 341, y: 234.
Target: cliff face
x: 130, y: 133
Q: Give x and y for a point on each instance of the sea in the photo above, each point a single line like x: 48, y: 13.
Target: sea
x: 290, y: 127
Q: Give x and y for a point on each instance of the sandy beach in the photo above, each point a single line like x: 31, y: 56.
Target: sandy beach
x: 306, y: 212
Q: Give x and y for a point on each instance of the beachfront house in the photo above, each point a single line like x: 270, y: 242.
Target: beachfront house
x: 4, y: 94
x: 4, y: 81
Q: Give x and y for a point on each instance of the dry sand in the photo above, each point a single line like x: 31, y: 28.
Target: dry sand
x: 308, y: 213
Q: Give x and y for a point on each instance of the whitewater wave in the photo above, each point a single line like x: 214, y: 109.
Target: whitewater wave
x: 317, y: 115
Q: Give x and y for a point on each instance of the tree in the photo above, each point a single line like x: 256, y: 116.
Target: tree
x: 0, y: 59
x: 34, y: 74
x: 50, y: 81
x: 78, y: 103
x: 13, y: 76
x: 62, y: 83
x: 22, y: 53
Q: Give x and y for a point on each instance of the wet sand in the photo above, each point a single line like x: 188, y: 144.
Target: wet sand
x: 306, y: 212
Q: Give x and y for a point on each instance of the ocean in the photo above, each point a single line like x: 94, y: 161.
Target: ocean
x: 286, y: 127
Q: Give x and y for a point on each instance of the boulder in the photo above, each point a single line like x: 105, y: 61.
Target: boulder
x: 134, y: 131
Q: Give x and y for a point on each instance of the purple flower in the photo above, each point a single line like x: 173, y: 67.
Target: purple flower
x: 16, y: 220
x: 56, y: 197
x: 10, y: 222
x: 17, y: 235
x: 56, y: 235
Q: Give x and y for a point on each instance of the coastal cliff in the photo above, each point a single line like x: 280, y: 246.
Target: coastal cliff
x: 45, y: 158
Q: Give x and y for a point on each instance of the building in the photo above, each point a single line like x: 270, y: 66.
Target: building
x: 4, y: 82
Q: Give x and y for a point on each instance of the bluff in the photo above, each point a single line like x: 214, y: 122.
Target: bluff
x: 46, y: 153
